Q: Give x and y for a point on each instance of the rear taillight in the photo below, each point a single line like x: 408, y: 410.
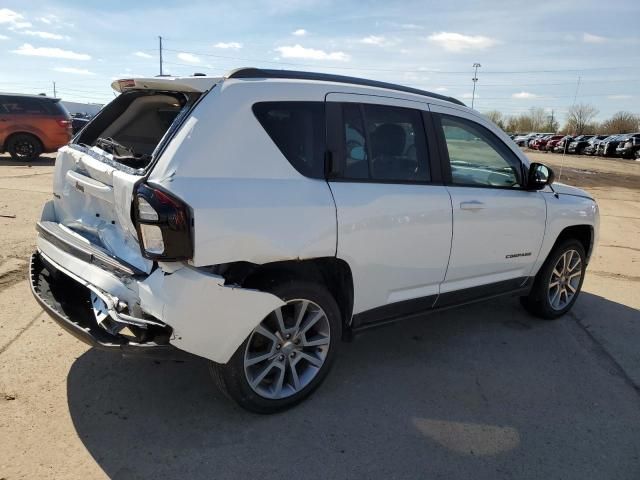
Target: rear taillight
x: 163, y: 223
x: 64, y: 123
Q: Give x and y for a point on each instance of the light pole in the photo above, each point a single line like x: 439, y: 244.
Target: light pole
x: 474, y: 79
x: 160, y: 41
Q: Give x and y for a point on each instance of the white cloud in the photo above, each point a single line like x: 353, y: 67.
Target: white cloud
x: 298, y: 51
x: 188, y: 57
x: 301, y: 32
x: 49, y: 19
x: 228, y: 45
x: 142, y: 55
x: 45, y: 35
x: 3, y: 37
x: 411, y: 26
x: 379, y: 41
x: 523, y: 95
x: 373, y: 40
x: 590, y: 38
x: 619, y: 97
x: 457, y: 42
x: 441, y: 89
x: 75, y: 71
x: 469, y: 95
x: 13, y: 19
x: 30, y: 50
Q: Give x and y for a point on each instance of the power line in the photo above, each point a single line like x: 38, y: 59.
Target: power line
x: 399, y: 70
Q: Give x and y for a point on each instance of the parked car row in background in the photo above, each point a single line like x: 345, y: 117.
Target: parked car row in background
x: 624, y: 145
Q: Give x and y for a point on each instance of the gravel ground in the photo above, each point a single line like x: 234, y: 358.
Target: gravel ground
x: 483, y: 391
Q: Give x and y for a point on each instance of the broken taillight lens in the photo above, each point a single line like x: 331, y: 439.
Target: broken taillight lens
x: 163, y: 223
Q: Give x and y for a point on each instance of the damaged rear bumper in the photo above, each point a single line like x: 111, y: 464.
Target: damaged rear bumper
x: 67, y: 303
x: 185, y: 307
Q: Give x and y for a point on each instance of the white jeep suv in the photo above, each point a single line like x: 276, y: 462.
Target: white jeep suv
x: 258, y: 219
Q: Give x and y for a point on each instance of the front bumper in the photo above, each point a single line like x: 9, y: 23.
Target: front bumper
x: 67, y: 303
x: 626, y: 152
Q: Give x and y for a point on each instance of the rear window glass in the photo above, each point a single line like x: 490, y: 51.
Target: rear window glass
x: 23, y: 106
x: 31, y: 106
x: 57, y: 108
x: 297, y: 129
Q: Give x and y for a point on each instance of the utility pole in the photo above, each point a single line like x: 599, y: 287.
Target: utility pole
x: 474, y: 79
x: 160, y: 41
x: 551, y: 121
x: 54, y: 90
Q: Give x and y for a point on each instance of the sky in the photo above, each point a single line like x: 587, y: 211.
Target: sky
x: 532, y: 54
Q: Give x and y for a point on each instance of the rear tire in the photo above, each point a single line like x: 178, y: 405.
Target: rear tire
x: 288, y: 355
x: 559, y: 281
x: 24, y: 147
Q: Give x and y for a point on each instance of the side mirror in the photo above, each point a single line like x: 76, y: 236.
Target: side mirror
x: 539, y: 176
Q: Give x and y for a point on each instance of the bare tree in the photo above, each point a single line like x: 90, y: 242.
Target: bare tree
x: 579, y: 117
x: 538, y: 118
x: 513, y: 125
x: 621, y: 122
x: 496, y: 117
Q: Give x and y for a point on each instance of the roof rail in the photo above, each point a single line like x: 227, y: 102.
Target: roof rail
x: 250, y: 72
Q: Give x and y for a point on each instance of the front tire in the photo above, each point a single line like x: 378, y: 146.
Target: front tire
x: 288, y: 355
x: 559, y: 281
x: 24, y: 147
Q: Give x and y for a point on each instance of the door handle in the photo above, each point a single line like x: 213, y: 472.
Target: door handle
x: 471, y: 205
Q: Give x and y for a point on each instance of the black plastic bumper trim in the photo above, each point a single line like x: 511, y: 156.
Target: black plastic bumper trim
x: 78, y: 327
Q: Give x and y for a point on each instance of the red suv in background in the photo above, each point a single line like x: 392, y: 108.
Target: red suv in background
x: 541, y: 143
x: 552, y: 142
x: 32, y: 124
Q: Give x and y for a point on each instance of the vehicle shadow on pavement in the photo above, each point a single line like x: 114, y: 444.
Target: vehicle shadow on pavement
x: 7, y: 161
x: 484, y: 391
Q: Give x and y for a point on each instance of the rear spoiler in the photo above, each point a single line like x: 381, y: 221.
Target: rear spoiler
x: 172, y: 84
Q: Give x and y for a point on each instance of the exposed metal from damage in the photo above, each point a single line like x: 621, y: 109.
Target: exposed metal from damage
x: 185, y: 300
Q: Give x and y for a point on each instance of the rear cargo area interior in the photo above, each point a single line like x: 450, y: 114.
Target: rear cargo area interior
x: 132, y: 126
x: 144, y: 122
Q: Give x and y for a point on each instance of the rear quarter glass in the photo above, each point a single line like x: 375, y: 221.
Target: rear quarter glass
x: 57, y: 108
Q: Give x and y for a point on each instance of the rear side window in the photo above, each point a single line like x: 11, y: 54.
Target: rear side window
x: 356, y: 158
x: 384, y: 143
x: 24, y: 106
x: 298, y: 130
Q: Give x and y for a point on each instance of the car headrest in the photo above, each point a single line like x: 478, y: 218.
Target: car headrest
x: 388, y: 139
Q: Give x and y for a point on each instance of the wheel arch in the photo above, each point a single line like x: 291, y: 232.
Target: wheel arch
x: 332, y: 272
x: 583, y: 233
x: 9, y: 137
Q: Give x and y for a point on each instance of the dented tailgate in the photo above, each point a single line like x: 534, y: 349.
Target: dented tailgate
x: 93, y: 199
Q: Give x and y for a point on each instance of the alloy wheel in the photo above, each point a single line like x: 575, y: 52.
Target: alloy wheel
x: 287, y: 350
x: 565, y: 279
x: 25, y: 148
